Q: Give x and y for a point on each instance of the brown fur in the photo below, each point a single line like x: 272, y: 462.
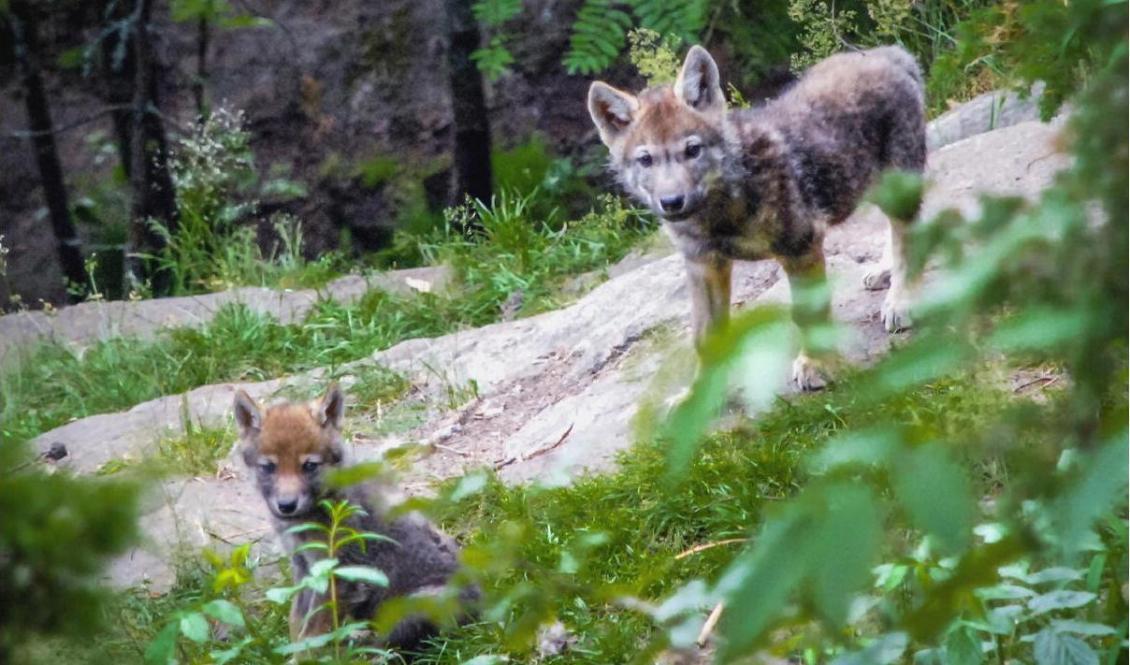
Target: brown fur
x: 766, y: 182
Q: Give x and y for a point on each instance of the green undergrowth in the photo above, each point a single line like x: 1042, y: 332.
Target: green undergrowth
x: 516, y: 259
x: 569, y: 553
x: 535, y: 546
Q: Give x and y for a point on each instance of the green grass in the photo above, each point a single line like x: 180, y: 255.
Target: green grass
x: 197, y: 450
x: 736, y: 478
x: 533, y: 547
x: 53, y: 384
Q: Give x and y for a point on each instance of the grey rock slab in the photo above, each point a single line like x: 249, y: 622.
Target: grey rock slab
x: 181, y: 516
x: 984, y: 113
x: 89, y: 322
x: 134, y: 435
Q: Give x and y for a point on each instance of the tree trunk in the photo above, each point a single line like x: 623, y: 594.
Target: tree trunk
x: 198, y: 86
x: 154, y: 198
x: 116, y: 65
x: 22, y: 22
x: 472, y: 126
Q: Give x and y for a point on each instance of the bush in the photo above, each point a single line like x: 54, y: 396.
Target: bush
x: 55, y: 538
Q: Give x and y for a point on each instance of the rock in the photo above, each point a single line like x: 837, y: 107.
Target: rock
x: 562, y: 388
x: 90, y: 322
x: 996, y: 109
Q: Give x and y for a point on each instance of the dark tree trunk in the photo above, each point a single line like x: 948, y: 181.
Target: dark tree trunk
x: 472, y: 126
x: 117, y: 73
x: 154, y: 198
x: 22, y: 23
x: 198, y: 86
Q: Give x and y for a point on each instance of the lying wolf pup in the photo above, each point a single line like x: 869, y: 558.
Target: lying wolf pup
x: 291, y: 446
x: 766, y: 182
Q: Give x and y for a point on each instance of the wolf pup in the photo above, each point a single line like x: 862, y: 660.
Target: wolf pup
x: 766, y: 182
x: 291, y: 446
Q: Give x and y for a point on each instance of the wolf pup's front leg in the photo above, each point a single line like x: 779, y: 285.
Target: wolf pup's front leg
x: 708, y: 281
x: 811, y: 306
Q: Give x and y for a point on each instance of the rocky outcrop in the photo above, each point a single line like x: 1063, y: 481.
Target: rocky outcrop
x: 996, y: 109
x: 89, y: 322
x: 553, y: 395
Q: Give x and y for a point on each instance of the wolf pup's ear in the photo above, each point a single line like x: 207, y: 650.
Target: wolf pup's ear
x: 698, y: 84
x: 248, y: 415
x: 611, y: 110
x: 330, y: 410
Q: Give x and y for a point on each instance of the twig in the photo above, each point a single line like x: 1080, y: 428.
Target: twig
x: 501, y: 464
x: 708, y: 627
x: 451, y: 450
x: 1044, y: 380
x: 706, y: 546
x: 546, y: 449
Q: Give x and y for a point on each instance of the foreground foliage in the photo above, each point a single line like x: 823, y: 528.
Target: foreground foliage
x: 55, y: 537
x: 1043, y: 282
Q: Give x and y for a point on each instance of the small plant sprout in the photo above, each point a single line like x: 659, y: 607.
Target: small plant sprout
x: 330, y: 540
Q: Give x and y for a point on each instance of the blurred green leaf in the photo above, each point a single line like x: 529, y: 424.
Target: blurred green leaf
x: 849, y: 535
x: 362, y: 574
x: 1052, y: 648
x: 758, y: 582
x: 898, y: 194
x: 1054, y: 574
x: 1061, y: 599
x: 469, y: 485
x: 1081, y: 628
x: 761, y: 336
x: 1039, y: 328
x: 281, y: 595
x: 1101, y: 481
x: 224, y: 611
x: 160, y: 650
x: 347, y: 476
x: 874, y: 447
x: 936, y: 494
x: 194, y: 626
x: 963, y: 647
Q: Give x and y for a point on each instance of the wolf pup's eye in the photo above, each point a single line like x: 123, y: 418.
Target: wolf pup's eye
x: 267, y: 466
x: 309, y: 466
x: 645, y: 160
x: 694, y: 150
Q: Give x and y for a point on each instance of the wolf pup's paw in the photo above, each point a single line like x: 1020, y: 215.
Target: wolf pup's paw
x: 808, y: 375
x: 896, y: 312
x: 877, y: 279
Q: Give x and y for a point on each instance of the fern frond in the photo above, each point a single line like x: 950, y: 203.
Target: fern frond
x: 493, y: 13
x: 598, y: 37
x: 682, y: 19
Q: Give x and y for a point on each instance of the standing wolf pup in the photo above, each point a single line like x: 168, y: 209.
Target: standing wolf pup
x: 766, y: 182
x: 291, y: 446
